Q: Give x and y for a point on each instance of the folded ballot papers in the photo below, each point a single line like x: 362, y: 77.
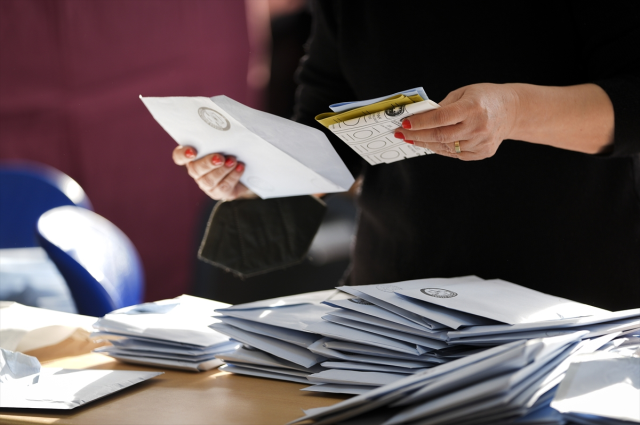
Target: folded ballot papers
x: 493, y: 347
x: 172, y: 333
x: 368, y: 126
x: 282, y: 157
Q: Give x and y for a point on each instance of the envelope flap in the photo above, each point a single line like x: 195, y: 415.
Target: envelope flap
x: 304, y: 144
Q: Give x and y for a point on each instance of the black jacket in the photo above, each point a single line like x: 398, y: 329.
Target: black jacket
x: 561, y: 222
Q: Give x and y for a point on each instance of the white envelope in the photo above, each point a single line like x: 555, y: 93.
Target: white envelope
x: 602, y: 385
x: 339, y: 389
x: 290, y: 317
x: 241, y: 355
x: 379, y: 315
x: 115, y: 336
x: 593, y: 331
x: 413, y: 317
x: 494, y: 299
x: 320, y: 347
x: 302, y: 339
x: 298, y: 299
x: 288, y: 372
x: 428, y: 343
x: 350, y: 377
x: 114, y: 351
x: 168, y: 363
x: 185, y: 323
x: 348, y: 334
x: 546, y: 325
x: 284, y: 350
x: 392, y: 293
x: 366, y: 367
x: 68, y: 388
x: 183, y: 329
x: 154, y: 347
x: 353, y: 347
x: 282, y: 157
x: 263, y: 374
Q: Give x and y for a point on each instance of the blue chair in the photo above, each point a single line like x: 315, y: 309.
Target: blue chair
x: 27, y: 190
x: 100, y: 264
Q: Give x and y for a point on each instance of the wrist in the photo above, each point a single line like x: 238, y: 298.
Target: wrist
x: 518, y: 95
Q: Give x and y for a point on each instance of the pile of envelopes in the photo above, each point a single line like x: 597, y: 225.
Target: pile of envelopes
x: 365, y: 338
x: 172, y: 333
x: 510, y: 383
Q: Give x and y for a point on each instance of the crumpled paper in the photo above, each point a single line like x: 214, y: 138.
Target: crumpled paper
x: 18, y: 369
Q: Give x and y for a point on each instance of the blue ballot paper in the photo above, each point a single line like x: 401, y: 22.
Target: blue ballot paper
x: 345, y: 106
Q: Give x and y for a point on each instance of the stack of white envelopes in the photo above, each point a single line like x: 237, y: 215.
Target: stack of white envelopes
x: 172, y: 333
x: 510, y: 383
x: 364, y: 337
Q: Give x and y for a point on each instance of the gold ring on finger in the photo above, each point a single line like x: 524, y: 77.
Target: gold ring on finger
x: 457, y: 146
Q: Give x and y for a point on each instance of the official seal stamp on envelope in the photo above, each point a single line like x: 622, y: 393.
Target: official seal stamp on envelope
x: 214, y: 119
x: 438, y: 293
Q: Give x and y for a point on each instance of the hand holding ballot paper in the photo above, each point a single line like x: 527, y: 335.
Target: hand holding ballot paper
x: 368, y: 127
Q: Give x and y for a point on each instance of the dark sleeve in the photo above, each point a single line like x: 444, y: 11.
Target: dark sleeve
x: 321, y: 81
x: 611, y: 49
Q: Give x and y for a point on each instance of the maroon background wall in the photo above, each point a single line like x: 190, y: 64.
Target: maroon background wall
x: 70, y: 75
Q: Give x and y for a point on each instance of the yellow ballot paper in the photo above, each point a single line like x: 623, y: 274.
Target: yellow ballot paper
x: 369, y: 129
x: 329, y: 118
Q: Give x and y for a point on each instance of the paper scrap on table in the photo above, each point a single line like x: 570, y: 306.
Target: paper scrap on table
x: 18, y: 368
x: 368, y: 129
x: 282, y: 157
x: 25, y: 385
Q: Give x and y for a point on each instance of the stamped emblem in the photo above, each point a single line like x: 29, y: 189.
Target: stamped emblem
x: 438, y: 293
x: 360, y: 301
x: 388, y: 288
x: 214, y: 119
x: 394, y: 112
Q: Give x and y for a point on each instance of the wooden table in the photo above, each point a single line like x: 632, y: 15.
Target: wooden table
x: 184, y: 398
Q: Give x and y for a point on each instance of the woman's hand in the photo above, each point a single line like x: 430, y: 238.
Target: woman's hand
x: 217, y: 176
x: 479, y: 117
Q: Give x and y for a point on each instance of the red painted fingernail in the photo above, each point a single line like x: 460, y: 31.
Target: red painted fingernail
x: 190, y: 153
x: 229, y: 162
x: 411, y: 142
x: 406, y: 124
x: 216, y: 159
x: 240, y: 167
x: 398, y: 135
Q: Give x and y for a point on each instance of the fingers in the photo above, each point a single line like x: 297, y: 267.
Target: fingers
x: 449, y: 114
x: 207, y: 174
x: 448, y: 134
x: 470, y: 150
x: 229, y: 186
x: 206, y: 164
x: 184, y: 154
x: 217, y: 176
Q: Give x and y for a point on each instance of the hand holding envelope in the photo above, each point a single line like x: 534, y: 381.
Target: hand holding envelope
x: 282, y: 158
